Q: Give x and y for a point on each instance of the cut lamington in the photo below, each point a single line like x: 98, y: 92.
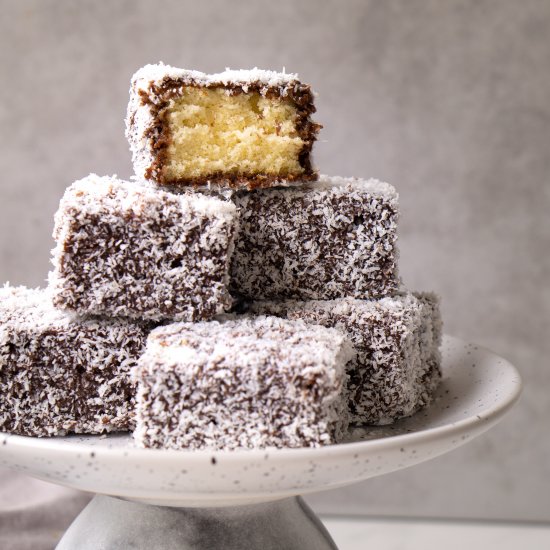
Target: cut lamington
x: 331, y: 239
x: 246, y: 128
x: 246, y: 383
x: 132, y: 250
x: 397, y: 367
x: 59, y: 374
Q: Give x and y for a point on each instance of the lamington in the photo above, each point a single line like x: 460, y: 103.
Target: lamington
x: 131, y: 250
x: 330, y: 239
x: 238, y: 128
x: 242, y: 383
x: 60, y: 374
x: 398, y: 363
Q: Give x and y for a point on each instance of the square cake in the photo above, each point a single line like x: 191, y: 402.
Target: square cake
x: 330, y: 239
x: 397, y: 367
x: 125, y: 249
x: 242, y: 383
x: 235, y: 129
x: 59, y: 374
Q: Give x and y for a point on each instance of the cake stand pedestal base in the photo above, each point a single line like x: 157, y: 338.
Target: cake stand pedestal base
x: 109, y: 523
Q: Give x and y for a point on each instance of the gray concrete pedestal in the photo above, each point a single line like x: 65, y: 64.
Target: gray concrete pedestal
x: 109, y: 523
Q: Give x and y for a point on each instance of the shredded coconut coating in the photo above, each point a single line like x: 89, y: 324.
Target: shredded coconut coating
x: 131, y: 250
x: 153, y: 87
x: 331, y: 239
x: 60, y: 374
x: 398, y: 362
x: 156, y: 74
x: 246, y: 383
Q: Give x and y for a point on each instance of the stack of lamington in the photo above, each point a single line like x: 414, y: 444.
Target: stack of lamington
x: 226, y: 297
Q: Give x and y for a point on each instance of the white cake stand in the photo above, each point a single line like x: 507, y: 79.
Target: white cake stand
x: 249, y: 499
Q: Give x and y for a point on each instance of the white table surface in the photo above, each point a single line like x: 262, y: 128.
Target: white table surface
x: 399, y: 534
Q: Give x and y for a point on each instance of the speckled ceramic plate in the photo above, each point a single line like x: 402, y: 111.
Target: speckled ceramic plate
x: 478, y: 388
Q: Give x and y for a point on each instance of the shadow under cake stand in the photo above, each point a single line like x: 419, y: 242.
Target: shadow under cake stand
x: 187, y: 500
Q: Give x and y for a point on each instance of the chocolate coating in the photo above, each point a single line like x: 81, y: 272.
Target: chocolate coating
x: 319, y: 241
x: 131, y: 250
x: 60, y: 374
x: 398, y: 363
x: 242, y: 383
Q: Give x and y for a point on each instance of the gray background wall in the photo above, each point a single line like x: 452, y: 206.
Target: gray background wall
x: 447, y: 100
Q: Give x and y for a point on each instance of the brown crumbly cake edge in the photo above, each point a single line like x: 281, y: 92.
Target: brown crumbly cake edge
x: 157, y: 99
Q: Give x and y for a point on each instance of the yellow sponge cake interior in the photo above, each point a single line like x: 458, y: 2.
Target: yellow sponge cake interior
x: 214, y: 130
x: 240, y: 129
